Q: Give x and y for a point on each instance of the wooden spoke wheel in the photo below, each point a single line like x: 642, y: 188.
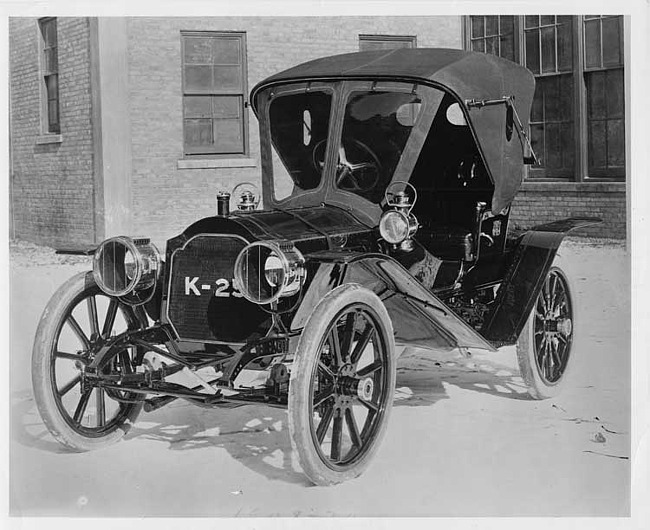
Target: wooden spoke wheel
x: 544, y: 347
x: 75, y: 324
x: 342, y: 385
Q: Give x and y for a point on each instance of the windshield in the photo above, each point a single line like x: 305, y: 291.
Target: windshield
x: 376, y: 128
x: 299, y: 127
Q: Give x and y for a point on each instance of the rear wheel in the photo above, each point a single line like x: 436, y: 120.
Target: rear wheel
x: 545, y: 345
x: 75, y: 324
x: 342, y: 385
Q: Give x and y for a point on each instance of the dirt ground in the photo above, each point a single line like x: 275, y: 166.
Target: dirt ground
x: 463, y: 440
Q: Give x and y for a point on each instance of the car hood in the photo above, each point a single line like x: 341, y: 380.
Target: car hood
x: 310, y: 229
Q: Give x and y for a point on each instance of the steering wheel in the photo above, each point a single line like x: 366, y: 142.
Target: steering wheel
x: 358, y: 168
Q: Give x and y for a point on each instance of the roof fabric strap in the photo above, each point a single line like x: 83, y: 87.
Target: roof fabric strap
x: 509, y: 101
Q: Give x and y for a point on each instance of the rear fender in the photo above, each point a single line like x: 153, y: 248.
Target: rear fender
x: 531, y: 261
x: 418, y: 316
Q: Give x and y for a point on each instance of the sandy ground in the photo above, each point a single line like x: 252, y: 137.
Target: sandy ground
x: 463, y: 438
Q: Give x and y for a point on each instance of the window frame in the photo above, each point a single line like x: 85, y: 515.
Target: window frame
x: 243, y: 93
x: 48, y: 128
x: 580, y: 118
x: 372, y: 37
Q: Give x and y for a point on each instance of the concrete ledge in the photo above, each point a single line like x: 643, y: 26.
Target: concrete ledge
x: 579, y: 187
x: 49, y: 139
x: 214, y: 163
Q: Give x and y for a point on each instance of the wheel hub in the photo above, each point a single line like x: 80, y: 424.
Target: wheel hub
x: 365, y: 388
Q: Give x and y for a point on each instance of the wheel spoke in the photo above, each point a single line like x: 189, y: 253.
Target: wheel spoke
x: 362, y: 343
x: 78, y: 332
x: 326, y: 369
x: 323, y: 396
x: 69, y: 356
x: 372, y: 407
x: 81, y: 406
x: 101, y: 408
x: 370, y: 369
x: 92, y: 315
x: 69, y: 386
x: 552, y: 284
x: 335, y: 347
x: 352, y: 428
x: 109, y: 322
x: 324, y: 424
x: 337, y: 434
x: 348, y: 334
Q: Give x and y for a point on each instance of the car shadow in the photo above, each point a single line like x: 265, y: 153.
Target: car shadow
x: 258, y: 436
x: 423, y: 374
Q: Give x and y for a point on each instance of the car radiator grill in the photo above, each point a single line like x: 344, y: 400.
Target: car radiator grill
x: 203, y: 304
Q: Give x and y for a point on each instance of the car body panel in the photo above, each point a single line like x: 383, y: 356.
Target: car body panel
x: 523, y: 281
x: 419, y: 317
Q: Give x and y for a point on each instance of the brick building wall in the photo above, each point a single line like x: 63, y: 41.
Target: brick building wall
x: 544, y: 202
x: 51, y: 183
x: 167, y: 198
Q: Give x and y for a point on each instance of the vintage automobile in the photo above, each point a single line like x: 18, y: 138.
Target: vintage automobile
x: 387, y: 183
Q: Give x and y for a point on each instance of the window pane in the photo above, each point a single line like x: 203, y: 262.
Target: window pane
x: 597, y: 144
x: 508, y: 47
x: 548, y: 49
x: 611, y: 42
x: 568, y: 149
x: 227, y: 106
x: 596, y: 97
x: 548, y: 19
x: 478, y: 45
x: 615, y: 143
x: 478, y: 30
x: 198, y: 133
x: 532, y: 51
x: 286, y: 116
x: 537, y: 141
x: 48, y: 30
x: 198, y: 50
x: 226, y: 51
x: 52, y: 86
x: 53, y: 116
x: 606, y: 127
x: 615, y: 93
x: 228, y: 136
x: 507, y: 24
x: 532, y: 21
x: 197, y: 106
x: 592, y: 43
x: 552, y: 124
x: 227, y: 78
x: 198, y: 78
x: 51, y: 61
x: 491, y: 25
x: 564, y: 47
x: 492, y: 45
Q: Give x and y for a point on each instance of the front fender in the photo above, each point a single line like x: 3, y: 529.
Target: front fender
x: 418, y: 316
x: 532, y: 259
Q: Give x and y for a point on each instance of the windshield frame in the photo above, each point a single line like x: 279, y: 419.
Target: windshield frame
x: 341, y: 89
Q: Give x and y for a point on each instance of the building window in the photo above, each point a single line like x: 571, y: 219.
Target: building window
x: 577, y: 122
x: 494, y: 34
x: 50, y: 75
x: 385, y: 42
x: 214, y: 93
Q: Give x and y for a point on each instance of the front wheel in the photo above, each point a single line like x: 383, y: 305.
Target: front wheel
x: 544, y: 346
x: 342, y: 385
x: 76, y: 322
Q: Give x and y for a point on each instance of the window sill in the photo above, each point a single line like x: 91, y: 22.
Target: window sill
x: 593, y: 187
x: 215, y: 163
x: 49, y: 139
